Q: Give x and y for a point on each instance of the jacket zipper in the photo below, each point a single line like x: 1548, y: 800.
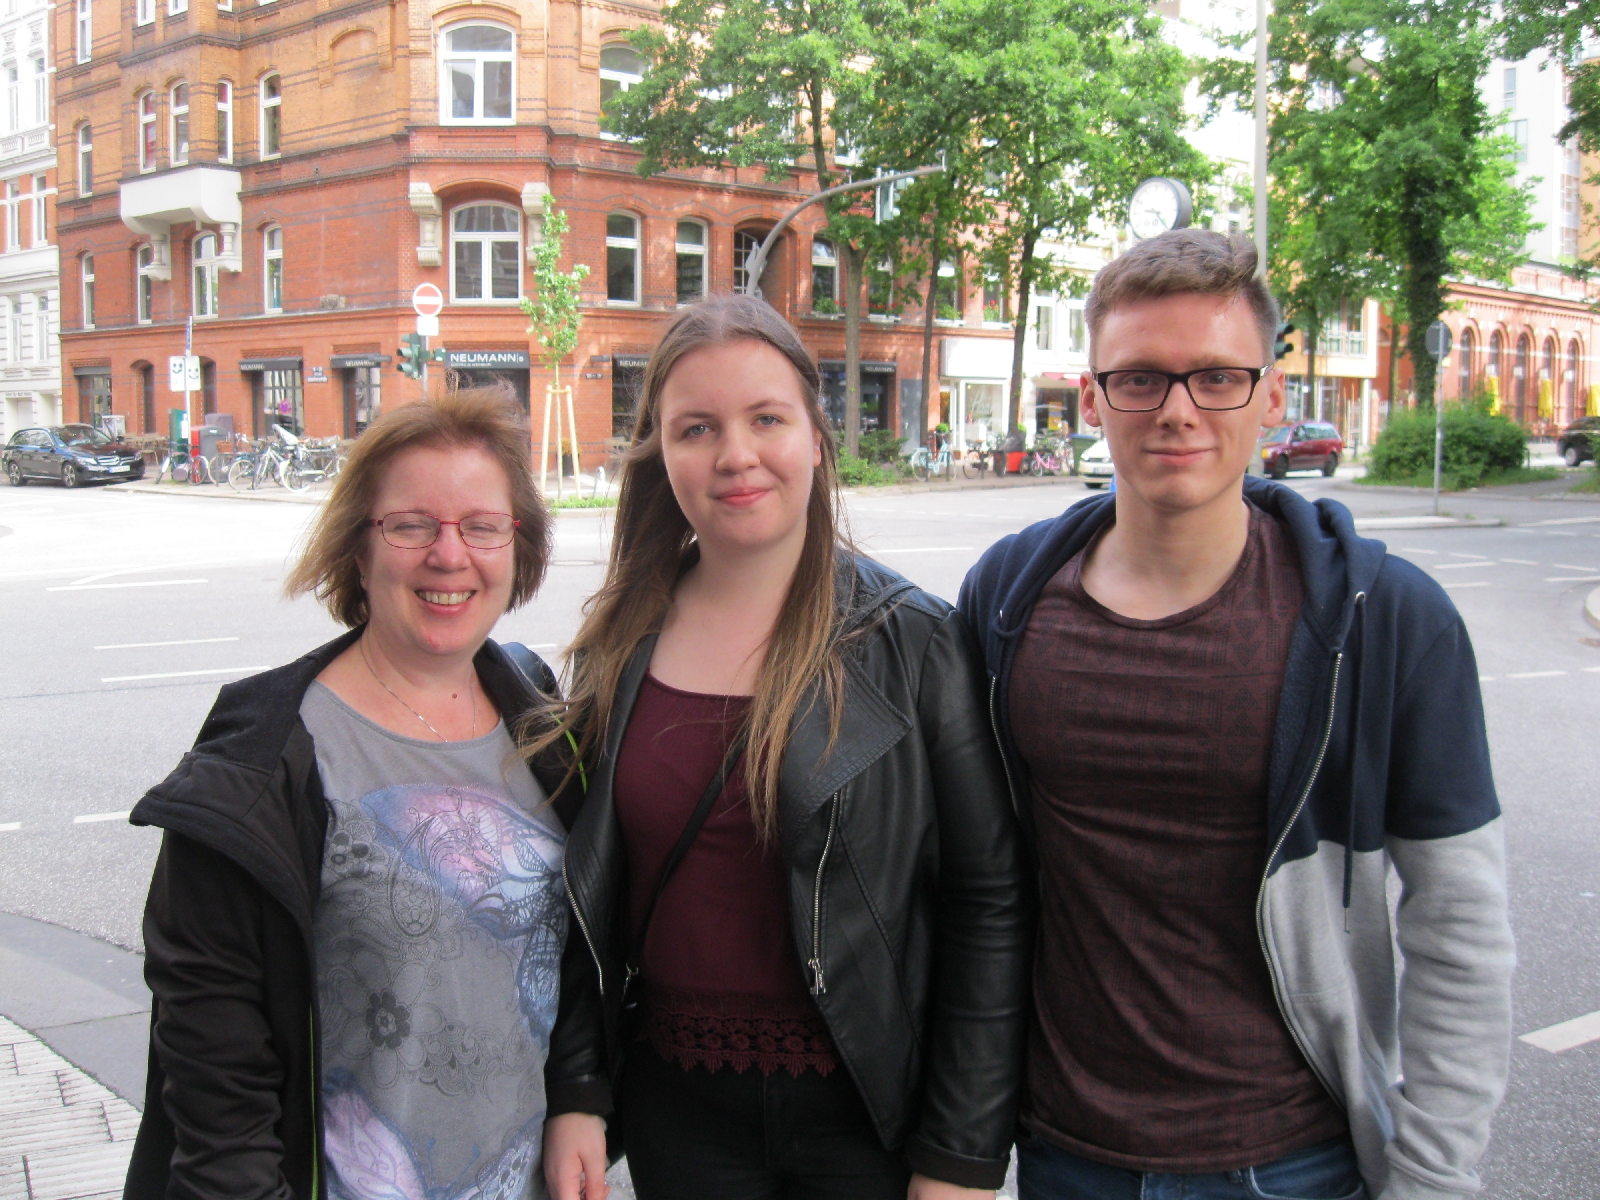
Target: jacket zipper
x: 994, y: 725
x: 818, y: 981
x: 583, y: 925
x: 1261, y: 895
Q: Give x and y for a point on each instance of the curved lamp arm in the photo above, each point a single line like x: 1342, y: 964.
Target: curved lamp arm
x: 758, y: 261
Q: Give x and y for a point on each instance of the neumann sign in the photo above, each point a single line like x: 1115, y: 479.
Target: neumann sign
x: 487, y: 358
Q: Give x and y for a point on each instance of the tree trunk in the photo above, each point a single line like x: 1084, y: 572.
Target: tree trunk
x: 929, y: 391
x: 1424, y: 302
x: 1019, y: 334
x: 850, y: 259
x: 1394, y: 356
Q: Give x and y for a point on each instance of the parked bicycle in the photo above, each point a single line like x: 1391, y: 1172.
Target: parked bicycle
x: 310, y: 461
x: 265, y: 463
x: 1044, y: 459
x: 180, y: 466
x: 925, y: 463
x: 978, y: 461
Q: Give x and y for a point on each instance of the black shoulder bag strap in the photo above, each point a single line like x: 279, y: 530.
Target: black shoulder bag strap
x: 691, y: 831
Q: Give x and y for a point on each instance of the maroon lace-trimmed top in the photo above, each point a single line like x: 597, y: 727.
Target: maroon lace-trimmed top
x: 723, y: 982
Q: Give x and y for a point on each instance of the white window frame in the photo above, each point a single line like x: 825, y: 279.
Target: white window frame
x: 271, y: 267
x: 41, y: 326
x: 204, y: 273
x: 224, y: 121
x: 177, y: 7
x: 83, y: 27
x: 149, y: 150
x: 14, y: 331
x: 144, y: 12
x: 619, y: 242
x: 178, y: 111
x: 144, y: 260
x: 485, y: 255
x: 6, y: 324
x: 1044, y: 327
x: 13, y: 203
x: 745, y: 244
x: 224, y: 5
x: 86, y: 159
x: 1519, y: 136
x: 37, y: 233
x: 477, y: 58
x: 41, y: 90
x: 273, y: 104
x: 683, y: 249
x: 86, y: 289
x: 13, y: 75
x: 825, y: 256
x: 623, y: 79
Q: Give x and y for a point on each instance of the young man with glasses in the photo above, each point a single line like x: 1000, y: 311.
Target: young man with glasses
x: 1227, y: 716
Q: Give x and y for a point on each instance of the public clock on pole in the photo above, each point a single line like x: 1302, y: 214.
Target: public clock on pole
x: 1158, y: 205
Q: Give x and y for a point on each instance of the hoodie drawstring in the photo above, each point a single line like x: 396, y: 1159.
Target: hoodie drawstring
x: 1360, y: 603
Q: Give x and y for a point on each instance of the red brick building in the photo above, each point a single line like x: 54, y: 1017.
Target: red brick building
x: 286, y: 172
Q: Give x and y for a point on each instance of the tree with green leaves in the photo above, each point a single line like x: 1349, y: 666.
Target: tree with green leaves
x: 553, y: 311
x: 748, y: 83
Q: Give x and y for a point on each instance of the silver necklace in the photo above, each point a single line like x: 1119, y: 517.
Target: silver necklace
x: 472, y: 695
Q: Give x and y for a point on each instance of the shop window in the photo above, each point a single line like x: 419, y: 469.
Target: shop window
x: 477, y: 85
x: 271, y: 116
x: 205, y: 275
x: 283, y: 400
x: 84, y: 27
x: 94, y: 399
x: 272, y: 267
x: 620, y: 68
x: 363, y: 399
x: 144, y: 299
x: 146, y: 107
x: 627, y: 381
x: 485, y: 250
x: 691, y: 250
x: 178, y: 124
x: 622, y: 258
x: 85, y: 160
x: 86, y: 283
x: 147, y: 397
x: 224, y: 121
x: 824, y: 276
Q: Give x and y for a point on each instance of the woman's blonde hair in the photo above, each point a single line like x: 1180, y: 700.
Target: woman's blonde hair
x: 487, y: 419
x: 653, y: 545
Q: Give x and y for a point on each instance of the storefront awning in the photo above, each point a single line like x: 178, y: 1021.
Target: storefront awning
x: 98, y: 369
x: 868, y: 367
x: 629, y: 360
x: 340, y: 361
x: 270, y: 364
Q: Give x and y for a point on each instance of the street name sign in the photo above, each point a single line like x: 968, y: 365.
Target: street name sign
x: 1438, y: 339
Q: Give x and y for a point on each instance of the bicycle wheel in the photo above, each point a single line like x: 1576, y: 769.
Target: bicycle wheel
x: 293, y: 479
x: 241, y: 471
x: 180, y: 470
x: 919, y: 466
x: 200, y: 471
x: 973, y: 466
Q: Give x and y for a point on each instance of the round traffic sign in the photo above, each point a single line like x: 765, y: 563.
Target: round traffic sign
x: 1438, y: 339
x: 427, y: 300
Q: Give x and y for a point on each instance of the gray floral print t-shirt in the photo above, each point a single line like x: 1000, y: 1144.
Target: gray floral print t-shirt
x: 438, y: 949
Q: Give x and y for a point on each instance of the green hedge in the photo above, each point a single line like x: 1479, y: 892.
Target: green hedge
x: 1475, y: 444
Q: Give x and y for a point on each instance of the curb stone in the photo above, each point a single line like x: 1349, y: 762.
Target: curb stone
x: 1591, y: 608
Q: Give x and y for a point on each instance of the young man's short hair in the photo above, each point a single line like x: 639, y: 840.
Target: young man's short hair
x: 1185, y: 261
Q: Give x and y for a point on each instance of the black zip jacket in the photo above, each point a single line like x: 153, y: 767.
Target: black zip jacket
x: 232, y: 1108
x: 906, y: 892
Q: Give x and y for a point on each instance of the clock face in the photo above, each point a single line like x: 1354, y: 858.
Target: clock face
x: 1155, y: 208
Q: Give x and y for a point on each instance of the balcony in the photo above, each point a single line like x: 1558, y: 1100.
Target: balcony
x: 152, y: 204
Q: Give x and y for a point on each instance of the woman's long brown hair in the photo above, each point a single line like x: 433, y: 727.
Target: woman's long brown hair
x: 653, y: 545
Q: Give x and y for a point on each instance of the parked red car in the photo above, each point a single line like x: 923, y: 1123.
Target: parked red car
x: 1304, y: 446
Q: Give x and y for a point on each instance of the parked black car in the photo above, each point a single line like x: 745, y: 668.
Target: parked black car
x: 1579, y: 441
x: 72, y: 454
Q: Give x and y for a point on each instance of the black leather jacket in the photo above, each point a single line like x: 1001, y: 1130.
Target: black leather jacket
x: 906, y: 893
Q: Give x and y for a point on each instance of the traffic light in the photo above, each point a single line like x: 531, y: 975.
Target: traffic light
x: 1283, y: 346
x: 413, y: 354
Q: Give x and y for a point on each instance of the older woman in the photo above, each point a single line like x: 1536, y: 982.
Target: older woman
x: 356, y: 919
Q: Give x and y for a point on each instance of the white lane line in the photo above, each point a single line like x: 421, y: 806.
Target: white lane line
x: 10, y: 826
x: 1567, y: 521
x: 1559, y: 532
x: 1567, y: 1035
x: 1572, y: 578
x: 1485, y: 562
x: 1522, y: 562
x: 920, y: 550
x: 181, y: 674
x: 1535, y: 674
x: 1590, y: 670
x: 196, y: 562
x: 1485, y: 678
x: 95, y: 587
x: 1457, y: 554
x: 185, y: 642
x: 1450, y: 587
x: 96, y: 818
x: 1416, y: 550
x: 1571, y: 567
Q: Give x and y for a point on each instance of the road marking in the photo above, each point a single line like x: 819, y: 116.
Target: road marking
x: 1570, y: 567
x: 1590, y: 670
x: 1572, y: 578
x: 1535, y: 674
x: 96, y: 818
x: 181, y: 674
x: 95, y: 587
x: 1567, y: 1035
x: 920, y: 550
x: 1457, y: 554
x: 1487, y: 562
x: 1522, y: 562
x: 1567, y: 521
x: 198, y: 562
x: 1416, y: 550
x: 10, y: 826
x: 1449, y: 587
x: 1485, y: 678
x: 1559, y: 532
x: 186, y: 642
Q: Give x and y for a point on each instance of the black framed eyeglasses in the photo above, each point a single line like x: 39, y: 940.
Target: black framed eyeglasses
x: 418, y: 530
x: 1216, y: 389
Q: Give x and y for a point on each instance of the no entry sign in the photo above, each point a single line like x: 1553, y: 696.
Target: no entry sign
x: 427, y: 300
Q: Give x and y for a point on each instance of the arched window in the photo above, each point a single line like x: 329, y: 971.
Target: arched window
x: 1547, y: 367
x: 85, y: 160
x: 86, y: 279
x: 1520, y: 371
x: 1468, y: 345
x: 620, y: 68
x: 485, y: 253
x: 691, y: 248
x: 224, y: 121
x: 1569, y: 383
x: 824, y: 276
x: 205, y: 275
x: 744, y: 245
x: 478, y: 83
x: 1496, y: 350
x: 272, y: 267
x: 147, y: 131
x: 271, y: 116
x: 622, y: 258
x: 178, y: 118
x: 144, y: 299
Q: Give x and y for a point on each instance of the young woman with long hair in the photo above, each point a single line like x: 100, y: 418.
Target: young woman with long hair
x: 801, y: 932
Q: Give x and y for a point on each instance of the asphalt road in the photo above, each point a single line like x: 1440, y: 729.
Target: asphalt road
x: 123, y: 613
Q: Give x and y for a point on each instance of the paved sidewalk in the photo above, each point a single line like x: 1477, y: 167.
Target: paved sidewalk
x: 62, y: 1135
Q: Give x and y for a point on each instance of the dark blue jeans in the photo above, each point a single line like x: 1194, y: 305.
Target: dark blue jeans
x: 1325, y: 1172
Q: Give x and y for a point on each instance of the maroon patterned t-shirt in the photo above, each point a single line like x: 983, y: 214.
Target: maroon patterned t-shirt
x: 1157, y: 1044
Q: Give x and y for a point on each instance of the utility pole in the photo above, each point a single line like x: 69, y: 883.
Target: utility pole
x: 1261, y: 139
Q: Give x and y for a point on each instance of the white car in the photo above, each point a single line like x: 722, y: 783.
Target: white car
x: 1095, y: 467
